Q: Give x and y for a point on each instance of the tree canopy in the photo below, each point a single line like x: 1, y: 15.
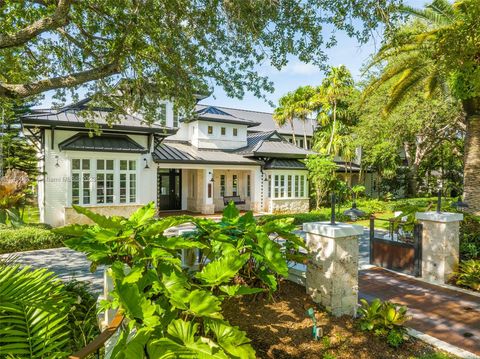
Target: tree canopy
x: 158, y: 49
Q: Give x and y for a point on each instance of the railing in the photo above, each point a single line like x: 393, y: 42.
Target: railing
x: 399, y: 249
x: 94, y: 346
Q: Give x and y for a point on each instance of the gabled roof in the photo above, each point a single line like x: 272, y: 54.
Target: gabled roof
x: 74, y: 115
x: 272, y: 144
x: 284, y: 164
x: 102, y: 143
x: 183, y: 152
x: 265, y: 121
x: 214, y: 114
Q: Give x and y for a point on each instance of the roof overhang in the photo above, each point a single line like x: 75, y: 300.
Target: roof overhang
x: 103, y: 143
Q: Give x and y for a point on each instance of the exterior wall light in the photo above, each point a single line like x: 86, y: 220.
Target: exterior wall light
x: 57, y: 164
x: 146, y: 164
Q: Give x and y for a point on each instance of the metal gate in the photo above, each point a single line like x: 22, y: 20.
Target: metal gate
x: 399, y: 249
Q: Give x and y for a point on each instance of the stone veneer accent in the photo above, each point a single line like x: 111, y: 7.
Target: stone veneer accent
x: 292, y: 205
x: 332, y: 268
x: 125, y: 210
x: 440, y: 245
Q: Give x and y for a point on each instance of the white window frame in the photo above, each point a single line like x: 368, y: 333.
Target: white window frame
x: 93, y: 177
x: 280, y: 187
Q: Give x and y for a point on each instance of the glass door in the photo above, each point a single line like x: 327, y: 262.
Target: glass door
x: 169, y: 192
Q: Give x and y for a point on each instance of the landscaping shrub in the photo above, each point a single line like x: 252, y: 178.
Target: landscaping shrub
x: 468, y: 274
x: 470, y: 237
x: 26, y: 238
x: 82, y: 317
x: 385, y: 319
x: 175, y: 311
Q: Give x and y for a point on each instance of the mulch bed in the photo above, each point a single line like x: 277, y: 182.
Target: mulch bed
x: 280, y: 328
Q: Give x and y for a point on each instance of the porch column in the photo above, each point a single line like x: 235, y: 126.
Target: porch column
x: 332, y: 268
x: 207, y: 191
x: 440, y: 244
x: 256, y: 190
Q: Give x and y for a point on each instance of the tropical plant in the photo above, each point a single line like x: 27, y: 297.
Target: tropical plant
x: 285, y: 112
x: 385, y: 319
x: 322, y: 175
x: 175, y: 311
x: 440, y: 49
x: 13, y: 187
x: 34, y: 309
x: 331, y: 101
x: 468, y: 274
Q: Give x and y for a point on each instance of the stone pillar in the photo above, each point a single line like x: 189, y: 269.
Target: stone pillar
x: 332, y: 269
x: 440, y: 244
x: 208, y: 207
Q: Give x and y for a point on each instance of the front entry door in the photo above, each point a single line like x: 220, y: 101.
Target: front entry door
x: 169, y: 192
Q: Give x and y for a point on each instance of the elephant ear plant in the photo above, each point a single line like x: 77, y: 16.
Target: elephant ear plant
x: 175, y: 311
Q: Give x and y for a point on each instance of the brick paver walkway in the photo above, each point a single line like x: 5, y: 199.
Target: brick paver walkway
x: 445, y: 314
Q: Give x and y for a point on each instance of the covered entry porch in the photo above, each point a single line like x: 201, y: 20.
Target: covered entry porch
x: 205, y: 189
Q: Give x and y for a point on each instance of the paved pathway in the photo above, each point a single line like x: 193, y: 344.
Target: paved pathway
x: 65, y: 263
x: 445, y: 314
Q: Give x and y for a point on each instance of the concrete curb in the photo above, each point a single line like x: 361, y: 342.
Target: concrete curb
x: 440, y: 344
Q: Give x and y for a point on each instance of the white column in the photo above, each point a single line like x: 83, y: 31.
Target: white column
x: 256, y: 190
x: 208, y: 206
x: 332, y: 268
x: 440, y: 244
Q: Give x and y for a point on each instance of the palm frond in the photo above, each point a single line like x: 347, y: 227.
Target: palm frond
x: 33, y: 313
x: 439, y: 13
x: 408, y: 81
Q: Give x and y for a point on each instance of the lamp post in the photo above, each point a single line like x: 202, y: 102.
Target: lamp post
x: 459, y: 205
x: 354, y: 212
x: 332, y: 215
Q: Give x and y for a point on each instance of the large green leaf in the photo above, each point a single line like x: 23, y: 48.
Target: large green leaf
x: 231, y: 339
x: 204, y: 304
x: 142, y: 215
x: 222, y: 270
x: 33, y: 313
x: 102, y: 221
x: 237, y: 289
x: 159, y: 226
x: 230, y: 212
x: 272, y: 255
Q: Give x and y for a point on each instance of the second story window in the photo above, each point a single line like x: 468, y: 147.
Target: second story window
x: 223, y: 131
x: 210, y: 130
x: 235, y: 131
x: 222, y: 185
x: 175, y: 118
x: 162, y: 114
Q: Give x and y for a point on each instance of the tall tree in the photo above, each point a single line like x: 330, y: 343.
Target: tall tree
x: 336, y: 89
x: 285, y: 112
x: 159, y: 49
x: 447, y: 34
x: 303, y: 107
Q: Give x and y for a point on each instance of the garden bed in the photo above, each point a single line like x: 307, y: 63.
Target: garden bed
x: 279, y: 328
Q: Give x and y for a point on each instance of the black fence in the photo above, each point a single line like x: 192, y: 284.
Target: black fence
x: 399, y: 248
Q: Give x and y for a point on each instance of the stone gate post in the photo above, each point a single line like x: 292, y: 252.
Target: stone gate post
x: 332, y: 269
x: 440, y: 244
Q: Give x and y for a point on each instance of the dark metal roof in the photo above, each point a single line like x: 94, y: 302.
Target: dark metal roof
x: 265, y: 121
x: 181, y: 152
x: 272, y: 144
x: 214, y: 114
x: 346, y: 166
x: 104, y: 143
x: 76, y: 116
x: 278, y: 164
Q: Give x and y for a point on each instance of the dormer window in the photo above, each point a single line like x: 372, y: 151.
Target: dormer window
x: 223, y: 131
x: 162, y: 114
x: 235, y: 131
x: 210, y: 130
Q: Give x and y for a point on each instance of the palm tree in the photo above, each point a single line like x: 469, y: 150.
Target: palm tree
x: 303, y: 107
x: 285, y: 112
x: 440, y: 49
x: 335, y: 88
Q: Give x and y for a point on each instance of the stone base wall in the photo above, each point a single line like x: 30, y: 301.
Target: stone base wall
x: 332, y: 273
x: 440, y: 250
x: 293, y: 205
x: 72, y: 217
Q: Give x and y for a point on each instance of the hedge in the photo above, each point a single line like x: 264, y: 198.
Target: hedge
x: 26, y: 238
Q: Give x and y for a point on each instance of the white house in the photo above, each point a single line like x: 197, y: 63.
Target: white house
x: 194, y: 164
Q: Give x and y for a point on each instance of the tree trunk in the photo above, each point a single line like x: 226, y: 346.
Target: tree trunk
x: 333, y: 127
x: 304, y: 134
x: 471, y: 169
x: 293, y: 132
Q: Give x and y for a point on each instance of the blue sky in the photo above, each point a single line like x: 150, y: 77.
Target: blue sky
x: 347, y: 52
